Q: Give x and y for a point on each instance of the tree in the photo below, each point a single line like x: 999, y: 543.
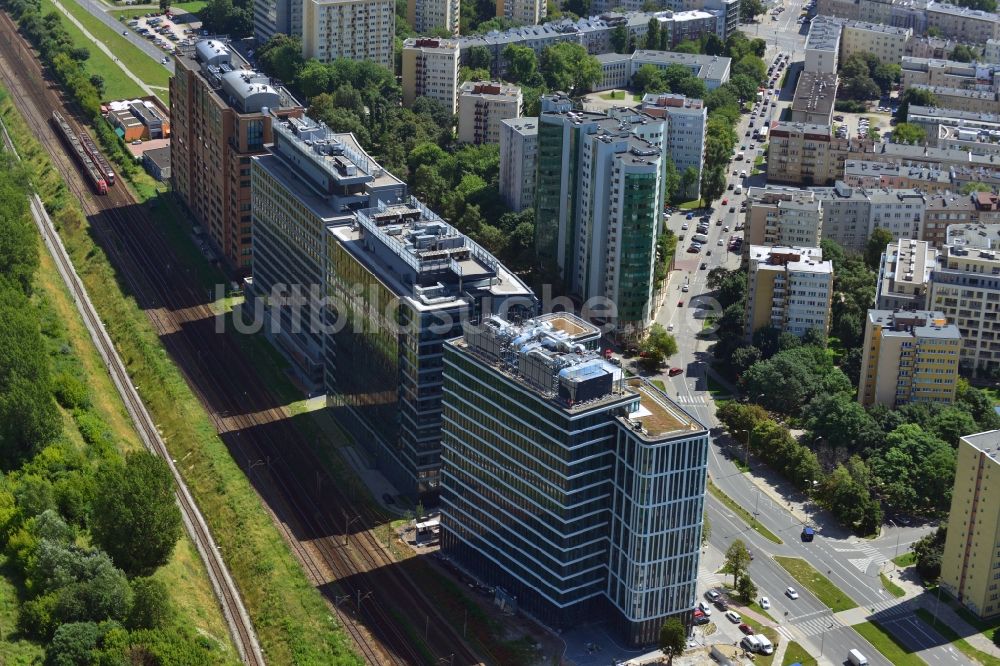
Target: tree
x: 751, y: 66
x: 928, y: 551
x: 918, y: 96
x: 671, y: 181
x: 706, y: 529
x: 744, y: 357
x: 951, y: 423
x: 151, y: 606
x: 135, y: 515
x: 689, y: 182
x: 653, y: 34
x: 713, y: 184
x: 746, y: 589
x: 673, y: 639
x: 842, y: 424
x: 649, y: 79
x: 963, y: 53
x: 750, y: 10
x: 975, y: 186
x: 860, y: 88
x: 73, y: 644
x: 658, y: 345
x: 164, y: 5
x: 737, y: 560
x: 714, y: 46
x: 281, y: 57
x: 875, y: 247
x: 479, y: 58
x: 568, y: 67
x: 522, y: 63
x: 908, y: 133
x: 887, y: 75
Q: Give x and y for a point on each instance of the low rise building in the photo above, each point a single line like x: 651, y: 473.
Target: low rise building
x: 886, y: 42
x: 987, y: 206
x: 618, y: 69
x: 823, y: 46
x: 593, y: 512
x: 157, y: 162
x: 518, y: 162
x: 788, y: 288
x: 352, y: 29
x: 851, y: 214
x: 944, y: 209
x: 934, y: 119
x: 874, y: 175
x: 782, y: 216
x: 908, y: 357
x: 991, y: 52
x: 949, y: 74
x: 961, y: 23
x: 686, y: 126
x: 134, y: 119
x: 930, y: 47
x: 483, y: 106
x: 964, y: 99
x: 975, y: 141
x: 430, y: 69
x: 971, y: 556
x: 814, y: 97
x: 904, y: 275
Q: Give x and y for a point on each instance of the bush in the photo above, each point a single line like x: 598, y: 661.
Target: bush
x: 850, y: 106
x: 70, y: 392
x: 151, y: 607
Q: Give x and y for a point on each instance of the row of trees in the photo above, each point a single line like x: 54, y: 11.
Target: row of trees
x: 864, y: 77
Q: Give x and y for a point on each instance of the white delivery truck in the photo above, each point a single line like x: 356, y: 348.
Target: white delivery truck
x: 857, y: 658
x: 765, y: 644
x: 700, y: 238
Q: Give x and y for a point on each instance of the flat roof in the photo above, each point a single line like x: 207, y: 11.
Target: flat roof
x: 877, y: 27
x: 957, y: 10
x: 783, y: 257
x: 709, y: 67
x: 815, y: 93
x: 978, y: 236
x: 914, y: 323
x: 823, y: 35
x: 913, y: 260
x: 985, y: 442
x: 525, y: 125
x: 658, y: 415
x: 874, y: 169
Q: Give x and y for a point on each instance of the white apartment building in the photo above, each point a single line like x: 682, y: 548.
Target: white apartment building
x: 788, y: 288
x: 430, y: 69
x: 618, y: 68
x: 782, y: 216
x: 823, y: 46
x: 887, y: 42
x: 524, y: 12
x: 352, y: 29
x: 483, y: 106
x: 686, y: 124
x: 428, y: 15
x: 962, y: 23
x: 850, y: 214
x: 518, y: 161
x: 965, y: 286
x: 905, y: 274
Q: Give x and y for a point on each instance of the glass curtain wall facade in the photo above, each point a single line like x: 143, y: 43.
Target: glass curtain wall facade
x: 638, y: 248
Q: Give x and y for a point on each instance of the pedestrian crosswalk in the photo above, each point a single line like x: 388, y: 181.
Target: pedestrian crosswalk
x: 815, y: 624
x: 864, y: 556
x: 697, y: 399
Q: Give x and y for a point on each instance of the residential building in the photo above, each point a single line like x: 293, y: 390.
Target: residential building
x: 428, y: 16
x: 851, y: 214
x: 886, y: 42
x: 576, y: 493
x: 807, y: 154
x: 933, y: 120
x: 518, y: 162
x: 975, y: 141
x: 962, y: 165
x: 875, y: 175
x: 949, y: 74
x: 400, y: 281
x: 943, y: 210
x: 965, y: 285
x: 823, y: 46
x: 352, y: 29
x: 598, y: 208
x: 618, y: 69
x: 524, y: 12
x: 964, y: 99
x: 731, y: 8
x: 904, y: 275
x: 908, y: 357
x: 931, y: 47
x: 788, y: 288
x: 312, y: 178
x: 991, y: 52
x: 271, y: 17
x: 971, y: 555
x: 221, y: 115
x: 813, y: 100
x: 430, y: 69
x: 961, y: 23
x: 987, y: 206
x: 686, y: 124
x: 908, y: 14
x: 782, y: 216
x: 483, y: 106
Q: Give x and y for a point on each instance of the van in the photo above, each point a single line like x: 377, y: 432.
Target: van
x: 765, y: 644
x: 751, y: 643
x: 738, y: 189
x: 857, y: 658
x: 700, y: 238
x: 740, y: 156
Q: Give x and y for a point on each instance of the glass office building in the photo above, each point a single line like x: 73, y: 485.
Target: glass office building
x: 577, y: 493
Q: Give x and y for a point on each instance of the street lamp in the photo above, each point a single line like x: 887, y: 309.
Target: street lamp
x: 822, y: 640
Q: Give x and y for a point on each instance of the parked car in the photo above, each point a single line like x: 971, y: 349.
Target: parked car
x: 765, y: 603
x: 704, y: 608
x: 712, y: 595
x: 734, y: 617
x: 673, y: 372
x: 746, y: 629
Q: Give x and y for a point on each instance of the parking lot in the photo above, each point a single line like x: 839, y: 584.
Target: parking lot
x: 166, y: 31
x: 857, y: 125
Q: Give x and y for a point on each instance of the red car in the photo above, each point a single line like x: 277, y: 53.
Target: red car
x: 680, y: 304
x: 673, y: 372
x: 746, y: 629
x: 725, y: 202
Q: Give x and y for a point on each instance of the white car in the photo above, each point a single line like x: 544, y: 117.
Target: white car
x: 791, y: 593
x: 719, y: 243
x: 684, y: 227
x: 705, y: 608
x: 670, y: 326
x: 765, y: 603
x: 733, y: 617
x: 685, y: 289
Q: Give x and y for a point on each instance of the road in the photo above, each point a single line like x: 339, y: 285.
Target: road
x: 100, y: 10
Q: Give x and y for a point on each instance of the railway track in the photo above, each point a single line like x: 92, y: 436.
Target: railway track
x: 372, y: 596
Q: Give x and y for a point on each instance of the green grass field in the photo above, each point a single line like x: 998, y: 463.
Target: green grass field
x: 817, y: 583
x: 795, y: 653
x: 887, y: 645
x: 904, y: 560
x: 890, y: 587
x: 743, y: 513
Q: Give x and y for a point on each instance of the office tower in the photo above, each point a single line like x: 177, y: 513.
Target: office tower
x: 352, y: 29
x: 782, y: 216
x: 483, y: 106
x: 400, y: 281
x: 523, y: 12
x: 908, y: 357
x: 221, y: 116
x: 579, y: 494
x: 518, y: 162
x: 312, y: 178
x: 904, y: 275
x: 430, y: 69
x: 428, y: 16
x: 598, y: 209
x: 686, y: 125
x: 788, y: 288
x: 972, y: 547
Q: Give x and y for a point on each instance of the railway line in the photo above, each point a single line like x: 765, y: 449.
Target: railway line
x: 365, y: 587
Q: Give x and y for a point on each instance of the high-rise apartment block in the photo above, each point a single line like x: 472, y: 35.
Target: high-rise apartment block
x: 851, y: 214
x: 518, y: 162
x: 788, y: 288
x: 598, y: 208
x: 430, y: 69
x: 686, y: 125
x: 782, y: 216
x: 522, y: 12
x: 965, y: 286
x: 271, y: 17
x: 400, y: 281
x: 908, y: 357
x: 805, y: 154
x: 905, y: 275
x: 972, y: 548
x: 312, y: 178
x: 426, y: 16
x: 352, y: 29
x: 577, y: 493
x: 482, y: 108
x: 221, y: 115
